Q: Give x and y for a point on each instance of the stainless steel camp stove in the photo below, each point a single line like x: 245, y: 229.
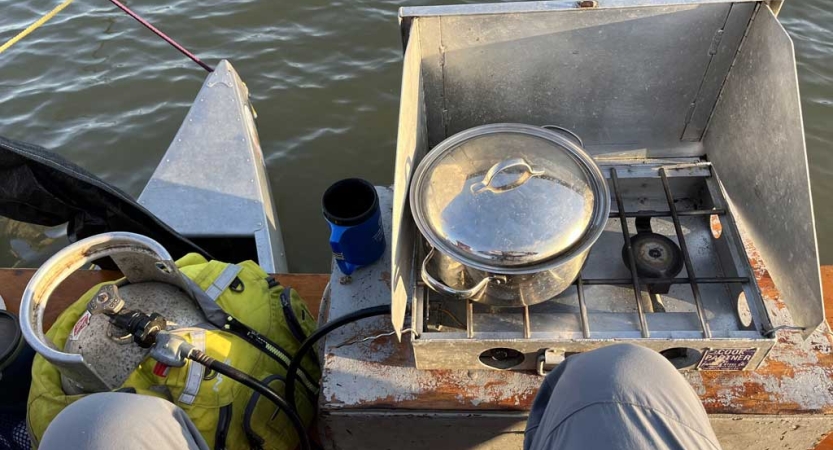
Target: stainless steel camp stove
x: 690, y: 108
x: 713, y: 303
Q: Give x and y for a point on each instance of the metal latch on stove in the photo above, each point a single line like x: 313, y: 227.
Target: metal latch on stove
x: 549, y: 359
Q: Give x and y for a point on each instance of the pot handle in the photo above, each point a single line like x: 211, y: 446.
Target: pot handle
x: 570, y: 135
x: 527, y: 172
x: 439, y: 286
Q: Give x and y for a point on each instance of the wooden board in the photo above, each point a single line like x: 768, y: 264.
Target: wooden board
x: 13, y: 282
x: 827, y: 282
x: 827, y: 285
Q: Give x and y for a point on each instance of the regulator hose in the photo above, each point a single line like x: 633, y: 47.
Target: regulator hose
x: 253, y: 383
x: 306, y: 346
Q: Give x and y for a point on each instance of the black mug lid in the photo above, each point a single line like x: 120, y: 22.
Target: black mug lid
x: 350, y: 202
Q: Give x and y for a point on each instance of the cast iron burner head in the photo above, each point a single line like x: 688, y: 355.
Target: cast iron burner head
x: 656, y: 256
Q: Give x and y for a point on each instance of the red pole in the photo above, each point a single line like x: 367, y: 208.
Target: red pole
x: 162, y: 35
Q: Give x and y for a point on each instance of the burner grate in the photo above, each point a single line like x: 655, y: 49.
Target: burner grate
x: 638, y: 282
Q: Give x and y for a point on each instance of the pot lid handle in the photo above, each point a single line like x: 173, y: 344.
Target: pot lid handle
x: 527, y: 172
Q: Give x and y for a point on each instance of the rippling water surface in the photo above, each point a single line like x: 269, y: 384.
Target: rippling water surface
x: 324, y: 77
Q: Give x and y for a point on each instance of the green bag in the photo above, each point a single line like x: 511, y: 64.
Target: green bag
x: 227, y: 414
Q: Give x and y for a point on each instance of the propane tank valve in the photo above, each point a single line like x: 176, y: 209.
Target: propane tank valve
x: 148, y: 331
x: 106, y: 301
x: 141, y: 326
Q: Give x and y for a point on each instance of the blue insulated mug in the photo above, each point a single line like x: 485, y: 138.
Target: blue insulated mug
x: 357, y: 238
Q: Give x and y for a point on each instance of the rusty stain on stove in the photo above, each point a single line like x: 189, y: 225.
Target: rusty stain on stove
x: 385, y: 278
x: 384, y: 367
x: 791, y: 379
x: 715, y: 226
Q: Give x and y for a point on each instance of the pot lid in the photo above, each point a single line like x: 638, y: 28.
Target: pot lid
x: 505, y: 194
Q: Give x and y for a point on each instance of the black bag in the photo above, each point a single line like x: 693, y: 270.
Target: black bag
x: 41, y: 187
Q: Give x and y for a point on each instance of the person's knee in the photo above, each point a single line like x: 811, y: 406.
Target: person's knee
x: 625, y: 354
x: 616, y: 385
x: 114, y: 403
x: 137, y: 421
x: 619, y: 368
x: 100, y: 409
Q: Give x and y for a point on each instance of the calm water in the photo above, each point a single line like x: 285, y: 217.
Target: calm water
x: 324, y: 76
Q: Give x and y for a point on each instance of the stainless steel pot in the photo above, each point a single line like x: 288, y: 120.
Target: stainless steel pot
x: 510, y: 212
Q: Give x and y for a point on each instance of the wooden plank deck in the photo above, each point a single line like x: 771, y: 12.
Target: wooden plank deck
x: 827, y: 282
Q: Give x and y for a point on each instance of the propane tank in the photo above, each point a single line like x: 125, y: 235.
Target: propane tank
x: 99, y: 356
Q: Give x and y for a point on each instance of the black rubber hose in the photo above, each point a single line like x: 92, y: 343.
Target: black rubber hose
x: 306, y: 346
x: 253, y: 383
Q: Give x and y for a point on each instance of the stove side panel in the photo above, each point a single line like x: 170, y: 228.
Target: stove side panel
x: 411, y: 146
x: 624, y: 79
x: 755, y: 139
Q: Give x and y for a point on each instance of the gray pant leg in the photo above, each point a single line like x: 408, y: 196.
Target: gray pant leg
x: 621, y: 396
x: 122, y: 421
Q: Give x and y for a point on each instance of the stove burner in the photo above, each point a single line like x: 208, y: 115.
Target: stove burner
x: 656, y: 256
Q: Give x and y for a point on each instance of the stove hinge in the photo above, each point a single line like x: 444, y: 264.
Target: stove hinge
x: 549, y: 359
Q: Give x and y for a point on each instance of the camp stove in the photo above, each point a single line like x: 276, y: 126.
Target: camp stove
x: 693, y: 292
x: 702, y: 148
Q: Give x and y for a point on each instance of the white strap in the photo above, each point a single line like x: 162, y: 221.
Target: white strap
x: 223, y: 281
x: 195, y: 371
